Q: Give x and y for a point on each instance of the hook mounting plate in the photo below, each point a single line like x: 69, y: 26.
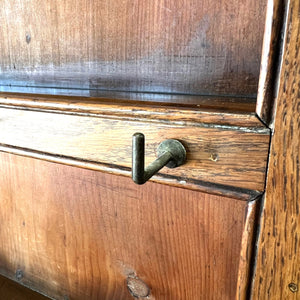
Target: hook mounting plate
x: 176, y: 149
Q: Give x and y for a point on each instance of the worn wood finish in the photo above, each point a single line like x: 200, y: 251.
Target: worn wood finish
x: 246, y: 255
x: 190, y: 46
x: 278, y: 259
x: 209, y: 104
x: 10, y: 290
x: 212, y: 110
x: 222, y: 103
x: 220, y: 155
x: 80, y: 233
x: 267, y: 88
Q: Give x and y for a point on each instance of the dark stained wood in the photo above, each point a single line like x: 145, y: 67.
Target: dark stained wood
x: 10, y: 290
x: 223, y: 153
x: 270, y: 60
x: 82, y: 234
x: 190, y: 46
x: 277, y: 272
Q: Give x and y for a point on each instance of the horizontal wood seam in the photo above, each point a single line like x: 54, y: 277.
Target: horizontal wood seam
x: 211, y: 188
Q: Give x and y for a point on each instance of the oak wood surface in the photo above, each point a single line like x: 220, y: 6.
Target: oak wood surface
x: 191, y: 46
x: 80, y: 234
x: 277, y: 272
x: 223, y: 153
x: 10, y: 290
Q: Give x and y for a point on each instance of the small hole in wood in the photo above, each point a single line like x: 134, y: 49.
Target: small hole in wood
x: 293, y: 287
x: 19, y: 274
x: 214, y: 157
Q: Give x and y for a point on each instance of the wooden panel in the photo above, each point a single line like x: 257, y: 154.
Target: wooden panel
x: 10, y: 290
x: 270, y: 61
x: 223, y: 155
x: 190, y: 46
x: 277, y: 271
x: 80, y: 234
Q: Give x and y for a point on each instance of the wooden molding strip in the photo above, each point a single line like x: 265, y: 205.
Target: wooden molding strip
x: 270, y: 60
x: 247, y: 247
x: 221, y: 154
x: 224, y: 103
x: 153, y: 112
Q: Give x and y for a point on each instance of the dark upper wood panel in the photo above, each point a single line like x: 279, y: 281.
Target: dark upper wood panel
x: 187, y: 46
x: 79, y: 234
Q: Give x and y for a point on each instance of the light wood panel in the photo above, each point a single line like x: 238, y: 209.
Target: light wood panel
x: 278, y: 260
x: 223, y: 149
x: 81, y: 234
x: 190, y: 46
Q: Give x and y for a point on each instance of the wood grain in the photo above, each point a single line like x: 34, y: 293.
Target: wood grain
x: 80, y: 233
x: 212, y: 110
x: 278, y: 259
x: 270, y: 61
x: 189, y: 46
x: 10, y: 290
x: 246, y: 255
x: 217, y: 154
x: 208, y: 104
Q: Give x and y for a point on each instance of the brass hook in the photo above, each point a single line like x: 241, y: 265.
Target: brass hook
x: 171, y: 153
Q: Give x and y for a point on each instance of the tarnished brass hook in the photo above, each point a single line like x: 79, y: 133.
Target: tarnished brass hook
x: 171, y: 153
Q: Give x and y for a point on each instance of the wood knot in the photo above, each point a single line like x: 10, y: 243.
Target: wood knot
x: 137, y: 287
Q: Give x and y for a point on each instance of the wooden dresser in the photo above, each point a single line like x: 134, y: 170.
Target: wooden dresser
x: 79, y: 78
